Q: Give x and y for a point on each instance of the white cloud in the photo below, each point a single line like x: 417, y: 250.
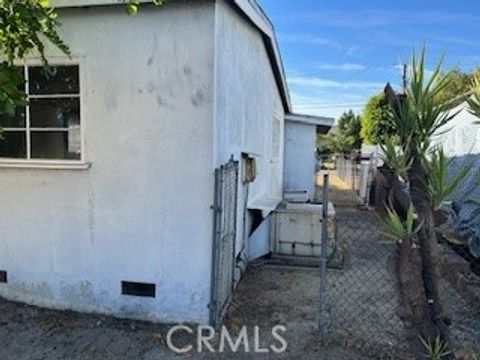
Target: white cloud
x: 448, y: 40
x: 322, y: 83
x: 346, y: 67
x: 310, y: 39
x: 353, y: 50
x: 331, y: 104
x: 369, y: 18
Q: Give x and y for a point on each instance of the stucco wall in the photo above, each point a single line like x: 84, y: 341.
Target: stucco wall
x: 247, y: 104
x: 142, y: 211
x: 300, y: 157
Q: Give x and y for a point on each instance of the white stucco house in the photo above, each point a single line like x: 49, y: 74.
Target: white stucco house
x: 108, y: 176
x: 300, y: 151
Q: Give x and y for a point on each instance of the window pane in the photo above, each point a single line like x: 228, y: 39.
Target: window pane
x: 54, y: 112
x: 55, y: 145
x: 17, y: 121
x: 56, y: 80
x: 13, y: 144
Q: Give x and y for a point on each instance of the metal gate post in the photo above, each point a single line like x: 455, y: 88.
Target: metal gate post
x: 353, y: 173
x: 216, y: 209
x: 323, y: 260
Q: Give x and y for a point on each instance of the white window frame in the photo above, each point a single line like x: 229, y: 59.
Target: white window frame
x: 51, y: 163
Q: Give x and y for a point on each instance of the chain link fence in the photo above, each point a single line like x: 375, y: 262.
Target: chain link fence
x: 360, y: 304
x: 348, y: 170
x: 357, y: 172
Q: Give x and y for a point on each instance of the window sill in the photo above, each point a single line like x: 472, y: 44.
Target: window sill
x: 47, y: 165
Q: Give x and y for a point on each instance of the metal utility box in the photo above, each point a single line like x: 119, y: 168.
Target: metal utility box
x: 297, y: 230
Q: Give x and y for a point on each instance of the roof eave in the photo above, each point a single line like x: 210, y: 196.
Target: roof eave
x: 310, y: 119
x: 258, y: 17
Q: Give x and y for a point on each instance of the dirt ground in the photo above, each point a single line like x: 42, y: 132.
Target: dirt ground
x: 268, y: 296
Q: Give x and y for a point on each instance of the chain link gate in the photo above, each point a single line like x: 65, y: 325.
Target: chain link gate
x: 224, y: 237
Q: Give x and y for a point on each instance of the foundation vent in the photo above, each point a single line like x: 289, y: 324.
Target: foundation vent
x: 3, y: 276
x: 138, y: 289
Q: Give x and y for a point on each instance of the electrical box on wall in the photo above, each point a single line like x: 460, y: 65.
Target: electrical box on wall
x: 249, y: 167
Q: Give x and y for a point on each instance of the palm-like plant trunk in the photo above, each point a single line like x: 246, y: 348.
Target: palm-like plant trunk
x: 415, y: 267
x: 435, y: 321
x: 406, y: 266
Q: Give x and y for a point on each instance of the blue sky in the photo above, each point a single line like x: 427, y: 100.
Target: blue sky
x: 339, y: 53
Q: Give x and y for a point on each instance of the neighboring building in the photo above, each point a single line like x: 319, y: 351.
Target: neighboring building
x: 108, y: 175
x: 460, y: 140
x: 300, y: 151
x: 461, y: 136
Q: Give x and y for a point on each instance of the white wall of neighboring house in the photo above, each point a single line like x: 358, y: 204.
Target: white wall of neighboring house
x: 463, y: 135
x: 249, y: 115
x: 300, y: 159
x: 141, y: 212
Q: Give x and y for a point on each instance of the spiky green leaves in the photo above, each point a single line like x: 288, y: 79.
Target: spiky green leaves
x: 396, y: 157
x: 436, y: 350
x: 438, y: 185
x: 474, y: 100
x: 398, y: 230
x: 421, y: 113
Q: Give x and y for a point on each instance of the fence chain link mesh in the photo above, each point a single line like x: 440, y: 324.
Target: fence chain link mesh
x: 361, y: 301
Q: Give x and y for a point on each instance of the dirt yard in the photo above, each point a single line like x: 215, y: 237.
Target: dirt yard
x: 268, y: 296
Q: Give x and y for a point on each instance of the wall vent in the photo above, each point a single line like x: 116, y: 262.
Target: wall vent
x: 3, y: 276
x: 138, y: 289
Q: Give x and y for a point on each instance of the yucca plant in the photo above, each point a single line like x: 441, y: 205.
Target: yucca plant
x: 398, y: 229
x: 438, y: 185
x: 417, y: 116
x: 474, y: 99
x: 436, y: 350
x: 397, y: 158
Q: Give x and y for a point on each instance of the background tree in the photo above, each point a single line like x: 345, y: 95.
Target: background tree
x: 376, y: 122
x: 459, y: 84
x: 344, y: 137
x: 376, y: 117
x: 26, y: 26
x: 349, y: 126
